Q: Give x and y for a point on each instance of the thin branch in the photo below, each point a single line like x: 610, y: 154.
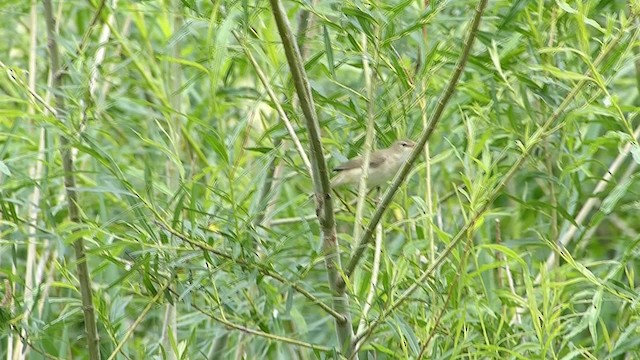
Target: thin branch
x: 292, y: 220
x: 70, y: 187
x: 269, y: 336
x: 32, y: 346
x: 426, y: 134
x: 34, y: 97
x: 84, y: 42
x: 622, y: 225
x: 99, y: 57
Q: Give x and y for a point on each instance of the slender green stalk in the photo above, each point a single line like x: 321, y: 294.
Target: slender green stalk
x: 428, y: 196
x: 636, y: 65
x: 86, y: 37
x: 320, y: 177
x: 70, y: 187
x: 549, y: 156
x: 368, y: 142
x: 33, y: 213
x: 362, y: 186
x: 292, y: 220
x: 173, y: 175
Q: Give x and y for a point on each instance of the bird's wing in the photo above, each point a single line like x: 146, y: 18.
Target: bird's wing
x: 374, y: 161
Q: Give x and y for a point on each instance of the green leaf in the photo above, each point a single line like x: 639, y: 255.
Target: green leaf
x: 564, y: 6
x: 4, y: 169
x: 609, y: 203
x: 635, y: 152
x: 218, y: 146
x: 593, y: 314
x: 562, y: 74
x: 328, y: 50
x: 516, y: 7
x: 259, y: 149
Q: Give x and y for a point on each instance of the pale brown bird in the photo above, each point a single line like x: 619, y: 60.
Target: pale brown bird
x: 383, y: 165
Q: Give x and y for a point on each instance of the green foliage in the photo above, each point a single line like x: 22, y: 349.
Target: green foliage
x: 192, y: 256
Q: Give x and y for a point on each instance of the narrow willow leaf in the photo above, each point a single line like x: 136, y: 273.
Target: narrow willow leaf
x: 4, y: 168
x: 564, y: 6
x: 609, y: 203
x: 635, y: 152
x: 328, y: 49
x: 593, y: 314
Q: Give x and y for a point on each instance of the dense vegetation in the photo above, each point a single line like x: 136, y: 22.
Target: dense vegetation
x: 158, y: 200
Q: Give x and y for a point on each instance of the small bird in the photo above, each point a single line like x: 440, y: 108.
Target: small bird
x: 383, y: 165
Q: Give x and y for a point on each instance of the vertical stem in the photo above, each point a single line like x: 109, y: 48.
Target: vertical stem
x: 549, y: 154
x: 174, y: 83
x: 368, y: 142
x: 552, y: 195
x: 35, y: 172
x: 427, y: 157
x: 320, y: 177
x: 84, y: 278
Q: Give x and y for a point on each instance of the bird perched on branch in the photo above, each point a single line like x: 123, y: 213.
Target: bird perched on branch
x: 383, y: 165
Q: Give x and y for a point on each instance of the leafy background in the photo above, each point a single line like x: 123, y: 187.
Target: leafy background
x: 199, y: 230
